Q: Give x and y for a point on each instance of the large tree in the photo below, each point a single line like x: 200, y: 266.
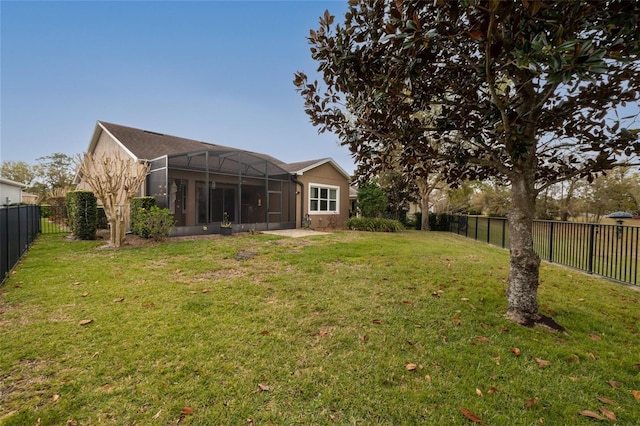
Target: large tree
x: 529, y: 92
x: 55, y: 170
x: 115, y: 180
x: 17, y: 171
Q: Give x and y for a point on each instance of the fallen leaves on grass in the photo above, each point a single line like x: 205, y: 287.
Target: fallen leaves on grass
x: 85, y: 322
x: 55, y: 398
x: 85, y: 294
x: 614, y: 384
x: 410, y: 366
x: 530, y: 403
x: 595, y: 337
x: 636, y: 394
x: 482, y: 339
x: 591, y: 415
x: 479, y: 392
x: 118, y: 300
x: 157, y: 415
x: 543, y: 362
x: 515, y: 351
x: 264, y: 388
x: 573, y: 358
x: 607, y: 401
x: 376, y: 321
x: 469, y: 415
x: 186, y: 411
x: 608, y: 413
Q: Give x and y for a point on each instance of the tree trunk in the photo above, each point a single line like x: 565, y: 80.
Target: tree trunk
x: 564, y: 214
x: 425, y: 192
x: 522, y: 294
x: 118, y: 225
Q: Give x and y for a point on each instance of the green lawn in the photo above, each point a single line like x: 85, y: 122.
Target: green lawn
x: 347, y: 328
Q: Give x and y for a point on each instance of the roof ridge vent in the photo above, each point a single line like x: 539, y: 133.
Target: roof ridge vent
x: 153, y: 133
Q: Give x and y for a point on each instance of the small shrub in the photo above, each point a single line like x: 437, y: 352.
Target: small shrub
x: 155, y: 223
x: 45, y: 211
x: 373, y: 224
x: 138, y: 203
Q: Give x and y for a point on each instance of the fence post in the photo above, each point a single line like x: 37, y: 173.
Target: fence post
x: 476, y: 235
x: 592, y: 232
x: 4, y: 250
x: 489, y: 230
x: 504, y: 232
x: 551, y: 241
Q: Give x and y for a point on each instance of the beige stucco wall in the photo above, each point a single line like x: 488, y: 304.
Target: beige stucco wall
x: 109, y: 147
x: 328, y: 175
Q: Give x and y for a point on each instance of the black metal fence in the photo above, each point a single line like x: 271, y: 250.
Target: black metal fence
x: 53, y: 219
x: 610, y: 251
x: 19, y: 227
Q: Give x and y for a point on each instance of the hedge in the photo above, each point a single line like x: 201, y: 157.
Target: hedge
x: 82, y: 212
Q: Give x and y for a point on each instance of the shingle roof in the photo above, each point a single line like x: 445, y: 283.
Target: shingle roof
x: 302, y: 165
x: 147, y: 145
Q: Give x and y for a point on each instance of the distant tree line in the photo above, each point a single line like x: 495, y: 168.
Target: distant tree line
x: 51, y: 177
x: 391, y: 196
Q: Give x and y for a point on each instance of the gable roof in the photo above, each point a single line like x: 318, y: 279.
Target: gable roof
x: 147, y: 145
x: 304, y: 166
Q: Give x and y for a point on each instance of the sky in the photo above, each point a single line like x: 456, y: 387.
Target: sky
x: 215, y: 71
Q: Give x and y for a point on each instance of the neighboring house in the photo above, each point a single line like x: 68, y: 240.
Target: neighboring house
x: 10, y: 192
x: 200, y: 182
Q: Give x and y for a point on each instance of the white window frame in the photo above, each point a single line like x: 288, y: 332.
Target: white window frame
x: 320, y: 187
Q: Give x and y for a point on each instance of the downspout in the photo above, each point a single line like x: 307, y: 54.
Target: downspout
x: 295, y: 180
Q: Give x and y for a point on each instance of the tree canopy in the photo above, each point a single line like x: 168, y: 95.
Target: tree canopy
x: 528, y: 92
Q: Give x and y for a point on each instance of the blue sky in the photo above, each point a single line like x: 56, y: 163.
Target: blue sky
x: 216, y: 71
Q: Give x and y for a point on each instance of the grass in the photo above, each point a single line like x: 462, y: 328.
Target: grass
x: 348, y: 328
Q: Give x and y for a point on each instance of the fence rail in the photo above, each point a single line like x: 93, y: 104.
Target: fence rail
x: 19, y: 227
x: 610, y: 251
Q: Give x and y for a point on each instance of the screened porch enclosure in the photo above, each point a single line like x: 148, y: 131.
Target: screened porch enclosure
x: 200, y: 187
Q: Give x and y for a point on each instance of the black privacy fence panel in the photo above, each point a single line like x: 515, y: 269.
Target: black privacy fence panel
x: 607, y: 250
x: 19, y: 227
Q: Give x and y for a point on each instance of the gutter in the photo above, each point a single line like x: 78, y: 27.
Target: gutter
x: 295, y: 180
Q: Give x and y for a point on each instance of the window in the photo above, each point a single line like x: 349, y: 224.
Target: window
x: 323, y: 199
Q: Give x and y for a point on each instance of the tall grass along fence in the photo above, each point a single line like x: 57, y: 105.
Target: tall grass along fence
x: 19, y: 227
x: 610, y: 251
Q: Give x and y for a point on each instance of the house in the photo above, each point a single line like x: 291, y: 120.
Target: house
x: 200, y: 182
x: 10, y: 192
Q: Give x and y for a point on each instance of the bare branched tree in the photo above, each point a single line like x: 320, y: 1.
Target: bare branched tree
x: 115, y: 181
